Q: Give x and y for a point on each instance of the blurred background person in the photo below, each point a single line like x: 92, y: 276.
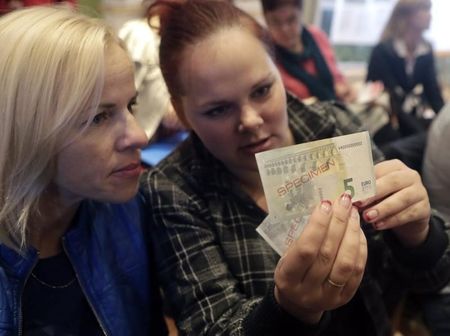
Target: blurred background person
x: 308, y: 68
x: 436, y: 164
x: 153, y: 110
x: 304, y: 54
x: 436, y: 178
x: 404, y: 61
x: 7, y: 6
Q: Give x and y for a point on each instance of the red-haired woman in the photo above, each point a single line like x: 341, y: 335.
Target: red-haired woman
x: 219, y: 276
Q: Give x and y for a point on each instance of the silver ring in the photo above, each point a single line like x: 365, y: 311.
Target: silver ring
x: 335, y: 284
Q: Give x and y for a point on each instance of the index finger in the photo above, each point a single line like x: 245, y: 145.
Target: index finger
x: 302, y: 253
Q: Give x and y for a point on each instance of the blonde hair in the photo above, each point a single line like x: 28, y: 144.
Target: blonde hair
x: 51, y: 80
x: 398, y: 21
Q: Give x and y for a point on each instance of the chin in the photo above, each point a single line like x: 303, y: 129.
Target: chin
x: 120, y: 196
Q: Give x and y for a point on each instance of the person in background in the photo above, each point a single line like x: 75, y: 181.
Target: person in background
x: 436, y: 179
x: 206, y: 199
x: 74, y: 259
x: 404, y: 61
x: 436, y: 164
x: 154, y: 110
x: 308, y: 68
x: 304, y: 55
x: 7, y: 6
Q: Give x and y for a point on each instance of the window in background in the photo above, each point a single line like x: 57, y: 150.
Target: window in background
x: 354, y: 26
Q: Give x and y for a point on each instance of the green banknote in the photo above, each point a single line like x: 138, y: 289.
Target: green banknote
x: 296, y: 178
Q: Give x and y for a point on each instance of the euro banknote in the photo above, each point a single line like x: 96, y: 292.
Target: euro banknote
x: 296, y: 178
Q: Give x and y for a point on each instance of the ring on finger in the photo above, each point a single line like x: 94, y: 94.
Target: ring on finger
x: 335, y: 284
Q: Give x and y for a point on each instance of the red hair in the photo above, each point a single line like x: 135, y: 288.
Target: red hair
x: 183, y: 23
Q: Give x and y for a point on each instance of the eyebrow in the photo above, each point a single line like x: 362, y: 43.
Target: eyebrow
x: 106, y: 105
x: 270, y: 77
x: 111, y: 105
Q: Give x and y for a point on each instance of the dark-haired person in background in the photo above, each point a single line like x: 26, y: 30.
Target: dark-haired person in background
x: 304, y: 54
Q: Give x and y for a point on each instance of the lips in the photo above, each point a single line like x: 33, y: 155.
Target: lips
x: 131, y: 170
x: 257, y: 146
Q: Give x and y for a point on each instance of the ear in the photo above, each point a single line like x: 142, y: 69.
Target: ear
x: 178, y: 107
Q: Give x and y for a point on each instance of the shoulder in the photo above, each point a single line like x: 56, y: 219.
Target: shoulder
x: 315, y: 121
x: 183, y: 170
x: 102, y: 214
x: 316, y: 32
x: 178, y: 163
x: 427, y: 51
x: 383, y: 54
x: 319, y: 36
x: 384, y: 47
x: 137, y: 28
x: 439, y: 131
x: 141, y: 41
x: 320, y: 110
x: 428, y: 45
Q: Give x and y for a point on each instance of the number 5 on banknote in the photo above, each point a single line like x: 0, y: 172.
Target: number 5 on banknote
x: 296, y: 178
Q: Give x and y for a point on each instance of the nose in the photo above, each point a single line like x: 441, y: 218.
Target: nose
x: 285, y: 28
x: 250, y: 118
x: 133, y: 136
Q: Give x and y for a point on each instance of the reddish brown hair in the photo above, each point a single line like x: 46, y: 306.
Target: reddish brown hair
x: 184, y: 23
x: 271, y: 5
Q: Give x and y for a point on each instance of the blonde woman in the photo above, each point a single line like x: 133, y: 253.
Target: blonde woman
x: 72, y: 257
x: 404, y: 61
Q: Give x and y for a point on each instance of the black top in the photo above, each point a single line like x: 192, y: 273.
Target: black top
x: 53, y: 302
x: 390, y: 68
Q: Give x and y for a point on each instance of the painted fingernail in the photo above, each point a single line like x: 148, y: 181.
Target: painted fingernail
x: 355, y: 213
x: 346, y: 200
x: 357, y: 204
x: 379, y: 225
x: 325, y: 206
x: 371, y: 215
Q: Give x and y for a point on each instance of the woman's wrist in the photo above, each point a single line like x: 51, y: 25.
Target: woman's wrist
x: 303, y: 315
x: 412, y: 235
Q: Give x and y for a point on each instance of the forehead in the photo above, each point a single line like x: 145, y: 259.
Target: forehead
x: 221, y: 56
x: 117, y: 61
x: 284, y: 11
x: 119, y: 70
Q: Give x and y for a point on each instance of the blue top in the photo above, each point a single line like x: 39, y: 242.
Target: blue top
x: 107, y: 249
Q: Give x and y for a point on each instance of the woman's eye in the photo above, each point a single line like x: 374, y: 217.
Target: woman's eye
x: 132, y: 106
x: 262, y: 91
x: 101, y: 117
x: 217, y: 111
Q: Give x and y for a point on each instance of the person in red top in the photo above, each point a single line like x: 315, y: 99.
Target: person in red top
x: 304, y: 54
x: 7, y: 6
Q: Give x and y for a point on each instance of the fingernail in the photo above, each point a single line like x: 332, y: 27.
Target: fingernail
x: 325, y: 206
x: 371, y: 215
x: 354, y: 213
x: 346, y: 200
x: 379, y: 225
x: 357, y: 204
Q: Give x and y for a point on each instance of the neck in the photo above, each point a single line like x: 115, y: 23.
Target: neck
x: 298, y: 47
x: 49, y: 224
x: 412, y: 39
x: 250, y: 181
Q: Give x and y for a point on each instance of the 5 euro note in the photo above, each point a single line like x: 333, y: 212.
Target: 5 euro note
x: 296, y: 178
